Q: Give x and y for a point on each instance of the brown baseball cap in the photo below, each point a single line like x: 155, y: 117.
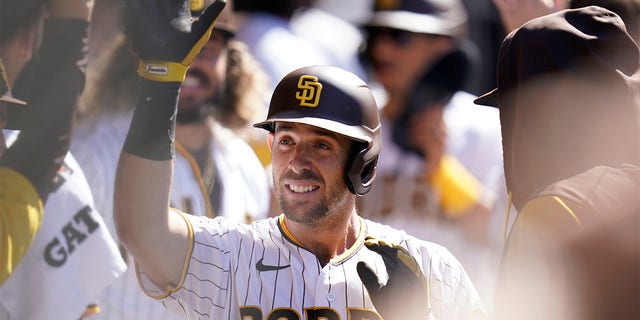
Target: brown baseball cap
x: 580, y: 41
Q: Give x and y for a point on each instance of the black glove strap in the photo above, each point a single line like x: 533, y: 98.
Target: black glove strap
x: 152, y: 131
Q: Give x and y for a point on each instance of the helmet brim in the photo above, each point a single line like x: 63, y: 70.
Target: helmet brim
x: 353, y: 132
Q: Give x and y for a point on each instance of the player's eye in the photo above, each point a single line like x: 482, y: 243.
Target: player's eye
x: 285, y: 141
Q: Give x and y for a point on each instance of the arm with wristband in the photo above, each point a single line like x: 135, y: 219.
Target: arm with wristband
x: 166, y: 41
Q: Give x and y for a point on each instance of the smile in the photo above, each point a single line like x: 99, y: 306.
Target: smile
x: 302, y: 189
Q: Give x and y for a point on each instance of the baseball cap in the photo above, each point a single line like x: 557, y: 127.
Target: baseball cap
x: 438, y: 17
x: 581, y: 41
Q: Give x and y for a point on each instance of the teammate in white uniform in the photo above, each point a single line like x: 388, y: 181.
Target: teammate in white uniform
x: 71, y: 261
x: 98, y: 140
x: 72, y: 257
x: 324, y: 134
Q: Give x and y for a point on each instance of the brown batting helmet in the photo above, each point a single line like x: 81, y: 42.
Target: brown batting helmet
x: 335, y: 100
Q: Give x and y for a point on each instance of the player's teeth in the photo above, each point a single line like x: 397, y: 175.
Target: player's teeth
x: 301, y: 188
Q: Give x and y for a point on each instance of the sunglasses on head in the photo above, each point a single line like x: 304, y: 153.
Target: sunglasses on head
x: 400, y: 38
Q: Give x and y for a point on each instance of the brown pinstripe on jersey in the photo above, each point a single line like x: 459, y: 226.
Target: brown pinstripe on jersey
x: 224, y: 282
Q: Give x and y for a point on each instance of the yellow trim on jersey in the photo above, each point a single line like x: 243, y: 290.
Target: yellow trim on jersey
x: 286, y: 231
x: 20, y: 218
x: 547, y: 206
x: 566, y: 207
x: 543, y: 207
x: 196, y: 171
x: 167, y: 291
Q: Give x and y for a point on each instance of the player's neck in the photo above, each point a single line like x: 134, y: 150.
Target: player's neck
x: 329, y: 239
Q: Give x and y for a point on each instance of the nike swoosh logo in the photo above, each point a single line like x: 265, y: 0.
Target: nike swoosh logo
x: 264, y: 267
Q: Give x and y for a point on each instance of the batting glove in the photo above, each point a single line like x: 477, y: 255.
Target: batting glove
x: 406, y: 293
x: 165, y: 38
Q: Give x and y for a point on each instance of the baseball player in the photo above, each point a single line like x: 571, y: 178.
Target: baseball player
x: 570, y: 181
x: 317, y: 260
x: 221, y: 159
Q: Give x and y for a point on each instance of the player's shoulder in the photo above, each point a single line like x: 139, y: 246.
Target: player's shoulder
x: 267, y: 227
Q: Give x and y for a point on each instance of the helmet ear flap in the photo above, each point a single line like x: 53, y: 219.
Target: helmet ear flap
x: 361, y: 169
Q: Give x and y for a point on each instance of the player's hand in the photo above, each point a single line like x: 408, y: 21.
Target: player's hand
x: 406, y: 293
x: 164, y: 36
x: 428, y: 133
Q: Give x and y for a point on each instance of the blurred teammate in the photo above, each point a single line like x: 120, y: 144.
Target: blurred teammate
x: 302, y: 263
x: 266, y: 28
x: 568, y: 94
x: 216, y: 171
x: 72, y: 257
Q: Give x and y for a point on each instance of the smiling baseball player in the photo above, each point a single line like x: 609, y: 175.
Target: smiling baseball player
x: 317, y: 260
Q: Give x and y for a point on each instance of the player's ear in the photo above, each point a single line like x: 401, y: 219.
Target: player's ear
x: 270, y: 139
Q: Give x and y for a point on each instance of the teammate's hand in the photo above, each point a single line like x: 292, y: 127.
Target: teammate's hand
x: 165, y: 37
x: 406, y: 293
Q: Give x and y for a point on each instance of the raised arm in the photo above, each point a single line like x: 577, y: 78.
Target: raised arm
x: 166, y: 42
x: 28, y: 168
x: 51, y: 83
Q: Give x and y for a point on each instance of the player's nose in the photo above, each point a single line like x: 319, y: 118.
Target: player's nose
x: 300, y: 160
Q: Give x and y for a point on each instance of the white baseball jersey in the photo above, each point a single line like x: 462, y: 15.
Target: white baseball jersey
x: 72, y: 259
x: 260, y: 271
x: 97, y: 143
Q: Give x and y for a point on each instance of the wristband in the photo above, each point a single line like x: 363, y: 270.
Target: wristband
x: 152, y: 130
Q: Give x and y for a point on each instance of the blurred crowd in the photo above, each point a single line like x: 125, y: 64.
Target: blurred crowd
x: 481, y: 177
